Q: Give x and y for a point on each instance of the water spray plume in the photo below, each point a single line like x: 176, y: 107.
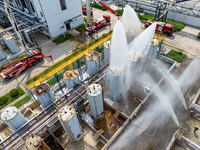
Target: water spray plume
x: 119, y: 49
x: 131, y: 23
x: 190, y: 75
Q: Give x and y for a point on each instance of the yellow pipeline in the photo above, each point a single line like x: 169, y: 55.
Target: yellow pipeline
x: 67, y: 63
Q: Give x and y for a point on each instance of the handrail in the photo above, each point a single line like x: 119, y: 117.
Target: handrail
x: 64, y: 65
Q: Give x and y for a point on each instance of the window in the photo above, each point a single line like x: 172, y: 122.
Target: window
x: 63, y: 4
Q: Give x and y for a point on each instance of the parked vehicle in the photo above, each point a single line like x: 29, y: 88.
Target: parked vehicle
x: 161, y: 27
x: 15, y: 68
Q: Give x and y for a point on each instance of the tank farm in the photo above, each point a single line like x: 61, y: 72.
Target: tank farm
x: 94, y: 97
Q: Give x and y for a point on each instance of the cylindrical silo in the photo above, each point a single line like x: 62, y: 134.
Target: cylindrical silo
x: 71, y: 78
x: 2, y: 56
x: 95, y: 97
x: 107, y: 46
x: 9, y: 40
x: 13, y: 118
x: 44, y: 94
x: 34, y: 142
x: 70, y: 123
x: 151, y: 55
x: 115, y: 83
x: 153, y: 49
x: 92, y: 64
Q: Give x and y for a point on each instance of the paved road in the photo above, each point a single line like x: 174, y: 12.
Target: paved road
x: 58, y: 53
x: 186, y: 40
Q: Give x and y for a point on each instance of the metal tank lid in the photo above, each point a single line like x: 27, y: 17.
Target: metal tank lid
x: 34, y: 142
x: 70, y: 74
x: 92, y: 56
x: 154, y: 42
x: 116, y: 70
x: 107, y: 44
x: 41, y: 89
x: 7, y: 37
x: 94, y: 89
x: 66, y: 113
x: 9, y: 113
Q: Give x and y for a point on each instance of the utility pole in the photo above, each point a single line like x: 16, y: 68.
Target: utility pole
x: 88, y: 12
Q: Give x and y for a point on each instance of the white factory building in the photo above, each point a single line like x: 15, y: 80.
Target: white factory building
x: 57, y: 15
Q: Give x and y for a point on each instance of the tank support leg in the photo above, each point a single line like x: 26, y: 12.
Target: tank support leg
x: 35, y: 99
x: 59, y: 84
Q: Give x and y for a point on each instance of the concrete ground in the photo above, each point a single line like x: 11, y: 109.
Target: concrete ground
x: 186, y: 40
x: 58, y: 53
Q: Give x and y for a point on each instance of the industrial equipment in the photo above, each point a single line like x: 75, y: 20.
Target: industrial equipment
x: 92, y: 63
x: 71, y: 78
x: 70, y: 123
x: 84, y: 10
x: 44, y: 94
x: 95, y: 97
x: 105, y: 6
x: 13, y: 118
x: 98, y: 23
x: 107, y: 46
x: 34, y: 142
x: 161, y: 27
x: 15, y: 68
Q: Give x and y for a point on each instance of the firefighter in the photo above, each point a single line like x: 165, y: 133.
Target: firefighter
x: 195, y: 129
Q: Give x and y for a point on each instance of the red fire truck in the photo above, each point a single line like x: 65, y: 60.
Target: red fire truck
x: 161, y: 27
x: 15, y: 68
x: 99, y: 23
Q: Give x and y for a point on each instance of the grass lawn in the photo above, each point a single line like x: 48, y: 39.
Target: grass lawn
x: 53, y: 80
x: 62, y: 38
x: 20, y: 57
x: 120, y: 12
x: 80, y: 28
x: 10, y: 99
x: 75, y: 53
x: 97, y: 6
x: 175, y: 55
x: 22, y: 101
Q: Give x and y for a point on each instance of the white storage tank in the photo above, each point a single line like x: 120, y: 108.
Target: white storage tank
x: 2, y: 56
x: 95, y: 97
x: 150, y: 57
x: 34, y: 142
x: 153, y: 49
x: 10, y: 42
x: 70, y: 123
x: 116, y: 83
x: 44, y: 94
x: 13, y: 118
x: 92, y: 63
x: 107, y: 46
x: 71, y: 78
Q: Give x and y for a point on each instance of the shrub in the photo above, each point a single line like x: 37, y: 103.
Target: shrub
x: 3, y: 100
x: 198, y: 36
x: 14, y: 92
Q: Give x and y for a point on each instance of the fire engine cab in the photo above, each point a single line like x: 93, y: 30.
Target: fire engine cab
x: 161, y: 27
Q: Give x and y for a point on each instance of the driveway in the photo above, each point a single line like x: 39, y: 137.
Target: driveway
x: 186, y: 40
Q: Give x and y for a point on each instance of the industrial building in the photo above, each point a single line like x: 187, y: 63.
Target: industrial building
x: 21, y: 19
x: 86, y: 107
x: 56, y: 17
